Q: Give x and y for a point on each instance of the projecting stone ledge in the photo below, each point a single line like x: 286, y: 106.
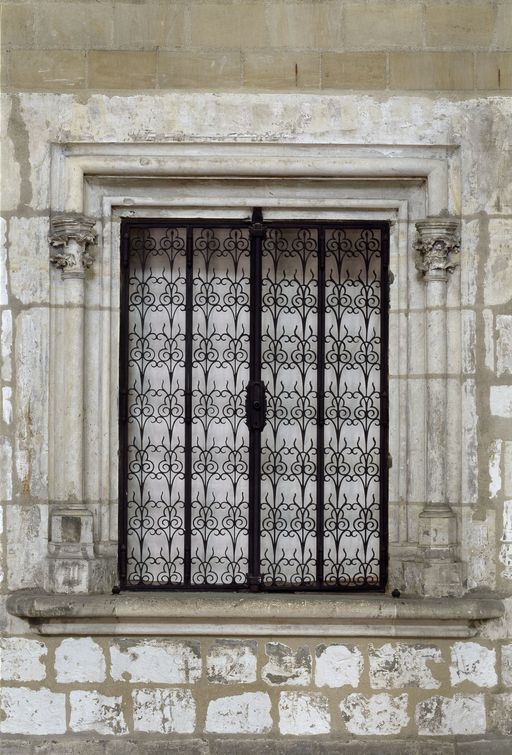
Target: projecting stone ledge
x: 240, y: 614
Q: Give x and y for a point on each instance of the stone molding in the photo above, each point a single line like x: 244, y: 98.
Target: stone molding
x: 437, y: 247
x: 70, y: 234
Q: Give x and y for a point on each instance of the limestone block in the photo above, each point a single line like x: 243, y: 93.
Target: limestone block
x: 156, y: 661
x: 303, y: 714
x: 166, y: 711
x: 79, y: 660
x: 507, y: 468
x: 481, y: 537
x: 51, y: 70
x: 304, y: 26
x: 199, y: 70
x: 21, y: 660
x: 495, y: 468
x: 377, y: 26
x: 10, y: 179
x: 121, y: 69
x: 469, y: 442
x: 17, y: 25
x: 28, y: 711
x: 431, y: 70
x: 506, y: 665
x: 286, y: 665
x: 27, y: 538
x: 400, y: 665
x: 473, y: 663
x: 379, y: 714
x: 504, y: 345
x: 500, y: 713
x: 338, y: 665
x: 493, y: 70
x: 249, y: 713
x: 4, y: 275
x: 148, y: 26
x: 281, y: 70
x: 240, y: 25
x: 505, y: 552
x: 451, y: 715
x: 77, y: 25
x: 459, y: 25
x: 7, y: 404
x: 503, y: 38
x: 501, y: 401
x: 5, y: 469
x: 6, y: 344
x: 355, y: 70
x: 498, y: 265
x: 91, y: 711
x: 28, y: 259
x: 232, y: 662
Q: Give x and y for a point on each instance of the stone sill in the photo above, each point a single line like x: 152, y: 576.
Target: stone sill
x: 243, y: 614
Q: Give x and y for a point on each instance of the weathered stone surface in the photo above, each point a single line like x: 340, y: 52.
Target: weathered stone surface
x: 338, y: 665
x: 32, y: 712
x: 249, y: 713
x: 121, y: 69
x: 458, y: 25
x: 281, y: 70
x: 149, y: 26
x: 506, y: 665
x: 232, y: 662
x: 402, y: 665
x: 156, y: 661
x: 451, y: 715
x: 28, y: 259
x: 498, y: 262
x: 92, y: 711
x: 504, y: 345
x: 353, y: 70
x: 301, y: 713
x: 493, y: 70
x: 22, y: 660
x: 164, y: 710
x: 378, y: 714
x: 500, y: 713
x: 377, y: 26
x: 203, y: 70
x: 495, y: 468
x: 431, y: 70
x: 73, y: 25
x: 79, y: 660
x: 286, y: 665
x: 53, y: 70
x: 501, y: 401
x: 473, y: 663
x: 331, y: 746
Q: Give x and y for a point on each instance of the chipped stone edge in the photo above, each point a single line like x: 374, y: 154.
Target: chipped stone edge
x: 204, y: 614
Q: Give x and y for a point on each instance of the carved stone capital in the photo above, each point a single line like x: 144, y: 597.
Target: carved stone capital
x: 437, y: 247
x: 69, y: 236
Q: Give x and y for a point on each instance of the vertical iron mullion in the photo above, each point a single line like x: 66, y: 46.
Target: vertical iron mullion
x: 189, y: 303
x: 123, y: 406
x: 384, y: 405
x: 320, y: 409
x: 256, y: 234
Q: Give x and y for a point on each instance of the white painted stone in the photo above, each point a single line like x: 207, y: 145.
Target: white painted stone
x: 91, y: 711
x: 506, y: 665
x: 21, y: 659
x: 32, y: 712
x: 460, y: 715
x: 501, y: 401
x: 7, y: 404
x: 3, y: 263
x: 249, y: 713
x: 401, y: 665
x: 472, y: 662
x: 468, y: 341
x: 6, y: 344
x: 338, y: 665
x: 165, y: 711
x: 79, y: 660
x: 27, y: 544
x: 232, y: 662
x: 507, y: 468
x: 303, y: 714
x: 504, y: 345
x: 5, y: 469
x: 498, y: 267
x: 507, y: 520
x: 28, y: 259
x: 505, y: 552
x: 489, y: 338
x: 286, y: 665
x: 156, y: 661
x: 10, y: 166
x: 469, y: 442
x: 495, y: 468
x: 379, y: 714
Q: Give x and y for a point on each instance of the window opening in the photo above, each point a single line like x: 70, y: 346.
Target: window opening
x: 253, y: 405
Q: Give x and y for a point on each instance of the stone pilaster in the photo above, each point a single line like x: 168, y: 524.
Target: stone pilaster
x: 437, y: 249
x: 72, y: 564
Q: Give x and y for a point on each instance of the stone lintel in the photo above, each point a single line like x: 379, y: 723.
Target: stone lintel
x: 150, y: 613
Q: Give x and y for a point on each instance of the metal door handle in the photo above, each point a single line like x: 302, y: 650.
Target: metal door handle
x: 256, y: 405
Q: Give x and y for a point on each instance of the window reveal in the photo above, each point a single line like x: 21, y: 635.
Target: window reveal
x: 253, y: 405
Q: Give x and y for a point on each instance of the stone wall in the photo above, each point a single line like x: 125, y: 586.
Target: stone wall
x: 423, y: 73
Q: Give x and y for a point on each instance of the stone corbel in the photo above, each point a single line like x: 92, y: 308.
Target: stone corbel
x: 437, y: 249
x: 70, y: 236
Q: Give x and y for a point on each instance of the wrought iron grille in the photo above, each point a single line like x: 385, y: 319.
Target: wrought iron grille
x: 253, y: 405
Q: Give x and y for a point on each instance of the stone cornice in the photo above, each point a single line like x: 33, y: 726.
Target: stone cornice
x: 437, y: 247
x: 69, y: 237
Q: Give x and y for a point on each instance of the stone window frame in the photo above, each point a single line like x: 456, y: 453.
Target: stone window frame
x: 416, y: 189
